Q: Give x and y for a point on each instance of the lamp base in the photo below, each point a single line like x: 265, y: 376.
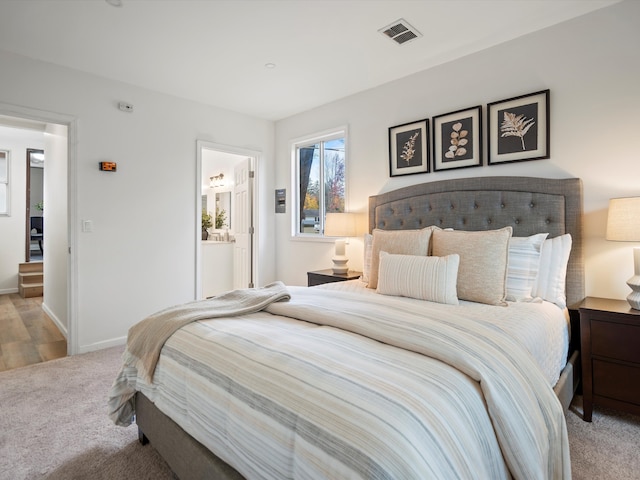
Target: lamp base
x: 634, y: 282
x: 634, y: 297
x: 340, y: 265
x: 339, y: 258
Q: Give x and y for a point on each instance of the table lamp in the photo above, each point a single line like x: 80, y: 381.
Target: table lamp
x: 342, y: 225
x: 623, y: 225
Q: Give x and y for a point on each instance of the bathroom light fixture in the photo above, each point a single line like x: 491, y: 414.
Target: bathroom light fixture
x: 216, y: 181
x: 114, y: 3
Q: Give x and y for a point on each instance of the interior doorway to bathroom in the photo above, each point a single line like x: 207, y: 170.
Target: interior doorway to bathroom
x: 226, y: 246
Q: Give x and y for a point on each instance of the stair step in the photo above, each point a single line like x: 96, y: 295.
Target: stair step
x: 31, y: 277
x: 28, y: 290
x: 28, y: 267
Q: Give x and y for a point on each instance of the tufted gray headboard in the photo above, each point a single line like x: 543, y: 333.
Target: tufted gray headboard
x: 529, y: 205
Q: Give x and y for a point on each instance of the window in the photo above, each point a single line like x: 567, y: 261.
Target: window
x: 320, y: 163
x: 4, y: 182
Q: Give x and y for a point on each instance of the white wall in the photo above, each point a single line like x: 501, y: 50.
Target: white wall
x: 56, y: 226
x: 140, y: 256
x: 591, y: 66
x: 12, y: 228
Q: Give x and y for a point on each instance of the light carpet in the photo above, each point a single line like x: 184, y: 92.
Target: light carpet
x: 53, y: 425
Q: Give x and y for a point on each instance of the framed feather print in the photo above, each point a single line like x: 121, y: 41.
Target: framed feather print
x: 518, y: 128
x: 409, y: 148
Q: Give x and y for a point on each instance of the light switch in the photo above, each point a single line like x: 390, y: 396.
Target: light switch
x: 87, y: 226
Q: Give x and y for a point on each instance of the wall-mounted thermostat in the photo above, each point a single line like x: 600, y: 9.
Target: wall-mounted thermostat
x: 108, y: 166
x: 281, y: 200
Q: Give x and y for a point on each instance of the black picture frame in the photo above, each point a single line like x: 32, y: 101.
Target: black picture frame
x: 518, y: 128
x: 457, y: 139
x: 409, y: 148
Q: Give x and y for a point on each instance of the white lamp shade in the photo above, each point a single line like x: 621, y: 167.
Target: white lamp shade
x: 623, y: 221
x: 343, y: 225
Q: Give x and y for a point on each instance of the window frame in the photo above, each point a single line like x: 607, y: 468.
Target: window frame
x: 324, y: 136
x: 5, y: 181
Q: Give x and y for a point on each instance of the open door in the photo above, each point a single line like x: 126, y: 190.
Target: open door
x: 243, y: 225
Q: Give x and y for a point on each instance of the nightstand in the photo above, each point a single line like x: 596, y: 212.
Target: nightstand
x: 327, y: 276
x: 610, y: 344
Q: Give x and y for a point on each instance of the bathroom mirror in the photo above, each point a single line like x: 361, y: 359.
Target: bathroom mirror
x: 223, y: 211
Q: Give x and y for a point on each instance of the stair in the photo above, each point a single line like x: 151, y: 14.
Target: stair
x: 31, y: 279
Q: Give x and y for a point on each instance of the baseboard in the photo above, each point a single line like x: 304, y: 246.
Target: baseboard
x: 56, y: 320
x: 8, y: 291
x: 92, y: 347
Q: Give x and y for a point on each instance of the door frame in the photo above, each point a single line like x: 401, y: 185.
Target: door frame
x: 255, y: 155
x: 71, y: 123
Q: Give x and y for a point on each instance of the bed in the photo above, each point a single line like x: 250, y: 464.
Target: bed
x: 451, y: 399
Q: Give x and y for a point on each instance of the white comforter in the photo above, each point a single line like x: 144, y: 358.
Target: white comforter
x: 374, y: 389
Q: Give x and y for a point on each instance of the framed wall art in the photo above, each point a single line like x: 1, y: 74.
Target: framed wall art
x: 457, y: 139
x: 519, y: 128
x: 409, y: 148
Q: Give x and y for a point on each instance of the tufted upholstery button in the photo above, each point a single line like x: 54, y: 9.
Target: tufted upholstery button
x: 475, y: 206
x: 489, y: 221
x: 517, y: 221
x: 451, y: 207
x: 531, y: 205
x: 547, y: 221
x: 502, y: 205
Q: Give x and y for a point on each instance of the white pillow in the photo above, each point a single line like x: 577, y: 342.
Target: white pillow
x: 483, y: 262
x: 366, y: 264
x: 552, y: 275
x: 523, y: 266
x: 407, y: 242
x: 425, y: 278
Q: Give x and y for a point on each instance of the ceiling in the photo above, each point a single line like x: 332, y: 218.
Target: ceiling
x: 215, y: 51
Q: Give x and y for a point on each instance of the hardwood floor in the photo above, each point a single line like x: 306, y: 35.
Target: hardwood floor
x: 27, y: 334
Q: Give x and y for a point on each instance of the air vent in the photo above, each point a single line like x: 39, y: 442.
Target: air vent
x: 400, y: 32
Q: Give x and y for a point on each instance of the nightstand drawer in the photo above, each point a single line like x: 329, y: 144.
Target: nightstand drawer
x: 617, y: 381
x: 615, y: 340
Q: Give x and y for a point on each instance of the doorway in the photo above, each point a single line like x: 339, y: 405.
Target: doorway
x: 57, y: 137
x: 225, y: 251
x: 34, y: 212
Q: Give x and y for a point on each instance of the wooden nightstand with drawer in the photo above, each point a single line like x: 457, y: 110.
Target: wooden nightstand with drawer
x: 610, y: 349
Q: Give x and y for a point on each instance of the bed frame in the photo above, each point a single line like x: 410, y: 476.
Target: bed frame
x: 529, y: 205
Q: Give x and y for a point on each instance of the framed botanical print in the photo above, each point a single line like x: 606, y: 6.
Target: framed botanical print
x: 519, y: 128
x: 409, y: 148
x: 457, y: 139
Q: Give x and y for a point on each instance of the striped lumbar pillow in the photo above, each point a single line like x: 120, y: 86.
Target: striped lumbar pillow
x: 425, y: 278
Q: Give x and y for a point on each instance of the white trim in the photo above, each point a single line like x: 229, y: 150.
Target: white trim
x: 56, y: 320
x: 6, y: 291
x: 256, y: 156
x: 93, y: 347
